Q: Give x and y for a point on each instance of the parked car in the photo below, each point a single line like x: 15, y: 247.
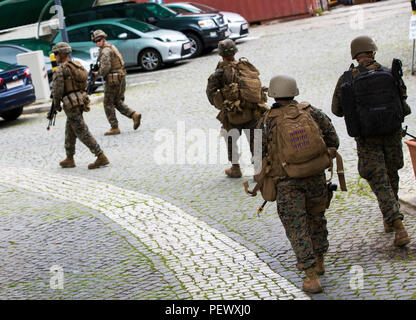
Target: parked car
x: 203, y: 30
x: 16, y: 90
x: 237, y: 25
x: 139, y: 43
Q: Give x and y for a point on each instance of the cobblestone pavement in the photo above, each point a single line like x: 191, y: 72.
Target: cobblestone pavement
x: 54, y: 216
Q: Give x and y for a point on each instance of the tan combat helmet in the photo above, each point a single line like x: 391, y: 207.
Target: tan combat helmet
x: 283, y: 87
x: 97, y: 34
x: 362, y: 44
x: 61, y: 47
x: 227, y: 48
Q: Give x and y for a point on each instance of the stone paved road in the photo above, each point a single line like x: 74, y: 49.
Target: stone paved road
x: 101, y: 259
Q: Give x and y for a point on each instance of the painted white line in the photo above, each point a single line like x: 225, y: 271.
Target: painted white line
x: 207, y: 262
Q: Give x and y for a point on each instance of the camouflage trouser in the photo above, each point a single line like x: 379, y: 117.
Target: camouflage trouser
x: 379, y: 160
x: 301, y: 207
x: 114, y: 99
x: 77, y: 128
x: 231, y: 140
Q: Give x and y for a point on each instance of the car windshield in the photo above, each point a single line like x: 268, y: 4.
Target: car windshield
x: 160, y: 11
x: 140, y: 26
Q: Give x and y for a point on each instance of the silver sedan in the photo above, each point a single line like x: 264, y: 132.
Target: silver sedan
x: 139, y: 43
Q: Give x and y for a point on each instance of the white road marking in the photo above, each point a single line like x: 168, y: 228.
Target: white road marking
x: 208, y: 263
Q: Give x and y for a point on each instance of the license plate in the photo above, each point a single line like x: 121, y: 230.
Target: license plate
x: 14, y: 84
x: 227, y: 33
x: 244, y: 26
x: 187, y: 46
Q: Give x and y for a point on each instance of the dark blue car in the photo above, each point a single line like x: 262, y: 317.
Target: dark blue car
x: 16, y: 90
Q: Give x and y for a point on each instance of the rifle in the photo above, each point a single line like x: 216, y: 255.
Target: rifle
x: 331, y: 188
x: 51, y: 116
x: 91, y: 77
x: 397, y: 72
x: 408, y: 134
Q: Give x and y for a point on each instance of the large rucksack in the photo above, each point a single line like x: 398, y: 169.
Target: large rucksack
x: 371, y: 102
x: 295, y: 148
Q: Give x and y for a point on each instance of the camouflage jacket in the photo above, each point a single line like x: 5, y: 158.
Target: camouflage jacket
x: 370, y: 65
x: 329, y: 133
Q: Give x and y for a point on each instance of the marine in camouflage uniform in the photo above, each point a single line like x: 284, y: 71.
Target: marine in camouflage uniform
x: 301, y: 202
x: 111, y: 68
x: 71, y: 92
x: 379, y: 158
x: 251, y: 112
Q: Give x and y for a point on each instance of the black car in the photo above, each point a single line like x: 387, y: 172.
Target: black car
x: 203, y: 30
x: 16, y: 90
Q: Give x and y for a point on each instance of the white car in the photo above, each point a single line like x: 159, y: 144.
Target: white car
x: 237, y: 25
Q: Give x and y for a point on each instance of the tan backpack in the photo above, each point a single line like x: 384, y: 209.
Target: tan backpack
x: 75, y: 84
x: 295, y: 148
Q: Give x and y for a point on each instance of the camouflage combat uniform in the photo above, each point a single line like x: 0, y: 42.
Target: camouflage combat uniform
x: 75, y: 124
x: 252, y: 112
x: 379, y: 158
x: 301, y: 202
x: 112, y: 70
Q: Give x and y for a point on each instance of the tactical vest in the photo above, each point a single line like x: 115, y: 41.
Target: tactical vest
x: 75, y: 84
x: 117, y: 62
x: 371, y: 101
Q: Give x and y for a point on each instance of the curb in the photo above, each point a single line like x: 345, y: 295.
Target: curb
x: 45, y: 106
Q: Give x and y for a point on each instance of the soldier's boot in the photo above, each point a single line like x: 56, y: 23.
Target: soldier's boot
x: 401, y: 237
x: 112, y: 132
x: 387, y: 228
x: 320, y: 266
x: 99, y: 162
x: 234, y: 171
x: 311, y: 283
x: 136, y: 120
x: 68, y: 162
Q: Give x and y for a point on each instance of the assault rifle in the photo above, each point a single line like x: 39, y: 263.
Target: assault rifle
x: 408, y: 134
x: 51, y: 116
x: 397, y: 72
x: 91, y: 77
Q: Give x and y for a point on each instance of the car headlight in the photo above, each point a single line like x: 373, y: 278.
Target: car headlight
x: 208, y: 23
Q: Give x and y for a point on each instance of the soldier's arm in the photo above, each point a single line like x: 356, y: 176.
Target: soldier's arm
x: 214, y: 84
x: 336, y: 99
x: 325, y: 124
x: 105, y: 62
x: 58, y: 88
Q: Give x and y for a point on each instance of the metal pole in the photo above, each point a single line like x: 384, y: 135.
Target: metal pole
x: 62, y: 27
x: 413, y: 58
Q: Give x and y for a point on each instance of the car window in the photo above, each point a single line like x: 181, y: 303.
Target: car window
x: 138, y: 25
x: 181, y: 10
x: 79, y: 35
x: 113, y: 31
x: 8, y: 54
x: 159, y: 11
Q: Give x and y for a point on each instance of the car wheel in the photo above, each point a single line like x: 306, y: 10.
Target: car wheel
x: 150, y: 60
x: 12, y: 114
x: 196, y: 45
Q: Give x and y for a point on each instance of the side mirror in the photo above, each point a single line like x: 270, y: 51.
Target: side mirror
x: 151, y: 20
x: 122, y: 35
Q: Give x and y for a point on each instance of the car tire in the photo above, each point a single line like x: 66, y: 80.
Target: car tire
x: 150, y: 60
x: 12, y: 114
x: 196, y: 44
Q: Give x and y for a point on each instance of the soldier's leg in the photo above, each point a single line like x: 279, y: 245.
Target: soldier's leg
x: 119, y: 100
x: 316, y: 200
x: 109, y: 106
x: 70, y: 138
x: 231, y: 138
x: 292, y: 212
x: 372, y: 167
x: 393, y: 154
x: 82, y: 132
